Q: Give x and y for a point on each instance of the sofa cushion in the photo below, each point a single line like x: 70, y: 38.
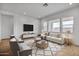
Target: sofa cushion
x: 58, y: 35
x: 55, y: 39
x: 23, y: 46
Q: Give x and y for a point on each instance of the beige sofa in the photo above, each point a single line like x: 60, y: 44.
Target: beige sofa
x: 55, y: 39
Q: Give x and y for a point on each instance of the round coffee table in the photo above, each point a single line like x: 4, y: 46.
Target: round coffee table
x: 42, y: 44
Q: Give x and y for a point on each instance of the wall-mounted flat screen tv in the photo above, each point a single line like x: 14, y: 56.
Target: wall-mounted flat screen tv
x: 27, y: 27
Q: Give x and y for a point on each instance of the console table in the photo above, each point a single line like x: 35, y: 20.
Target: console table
x: 24, y: 36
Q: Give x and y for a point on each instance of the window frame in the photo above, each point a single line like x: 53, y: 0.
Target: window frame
x: 66, y: 19
x: 60, y: 20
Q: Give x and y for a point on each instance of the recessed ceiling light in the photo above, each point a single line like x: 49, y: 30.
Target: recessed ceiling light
x: 38, y: 16
x: 70, y: 3
x: 24, y: 13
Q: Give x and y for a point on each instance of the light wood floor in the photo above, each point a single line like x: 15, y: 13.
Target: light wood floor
x: 5, y: 47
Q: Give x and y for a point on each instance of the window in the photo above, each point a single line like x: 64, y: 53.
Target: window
x: 67, y: 24
x: 56, y: 26
x: 45, y: 26
x: 49, y: 26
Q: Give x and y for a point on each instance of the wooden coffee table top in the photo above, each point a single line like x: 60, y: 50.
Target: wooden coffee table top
x: 42, y: 44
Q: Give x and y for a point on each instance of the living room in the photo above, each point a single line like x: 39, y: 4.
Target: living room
x: 39, y: 29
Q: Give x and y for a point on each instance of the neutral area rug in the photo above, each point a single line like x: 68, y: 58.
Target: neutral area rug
x: 51, y: 50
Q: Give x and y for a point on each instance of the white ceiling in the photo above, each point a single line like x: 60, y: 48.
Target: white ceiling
x: 36, y: 10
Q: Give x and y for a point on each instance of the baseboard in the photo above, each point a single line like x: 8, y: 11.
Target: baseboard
x: 5, y: 38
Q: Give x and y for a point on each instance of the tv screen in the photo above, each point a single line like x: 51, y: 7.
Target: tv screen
x: 27, y: 27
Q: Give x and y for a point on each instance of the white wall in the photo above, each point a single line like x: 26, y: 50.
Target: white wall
x: 6, y: 26
x: 20, y: 20
x: 0, y: 27
x: 69, y: 12
x: 14, y: 26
